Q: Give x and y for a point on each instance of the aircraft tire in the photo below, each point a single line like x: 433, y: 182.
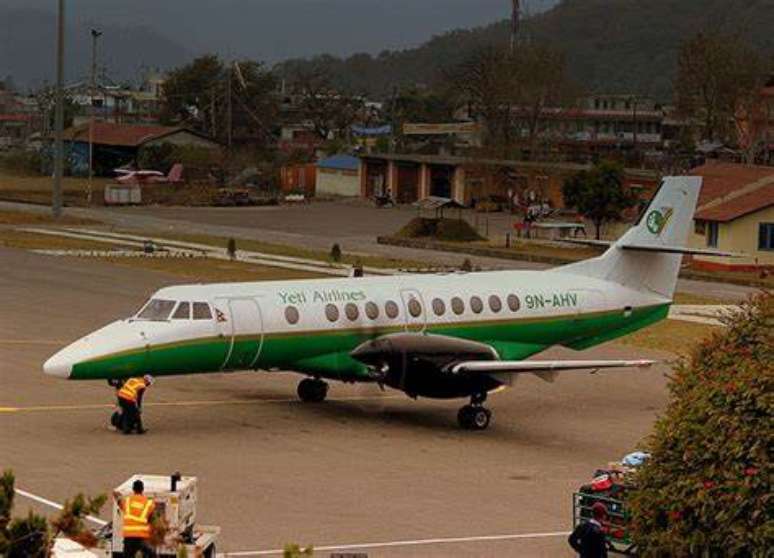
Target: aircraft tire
x: 312, y: 391
x: 473, y: 417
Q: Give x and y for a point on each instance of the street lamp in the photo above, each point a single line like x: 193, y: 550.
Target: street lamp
x: 56, y: 202
x: 94, y: 36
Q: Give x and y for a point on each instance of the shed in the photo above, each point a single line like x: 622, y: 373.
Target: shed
x: 339, y: 176
x: 118, y: 144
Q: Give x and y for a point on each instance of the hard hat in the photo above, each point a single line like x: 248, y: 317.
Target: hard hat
x: 148, y: 379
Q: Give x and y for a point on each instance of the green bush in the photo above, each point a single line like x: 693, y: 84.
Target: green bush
x: 450, y: 230
x: 707, y: 488
x: 21, y: 162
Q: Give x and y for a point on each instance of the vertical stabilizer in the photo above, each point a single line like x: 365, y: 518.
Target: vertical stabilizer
x: 648, y: 256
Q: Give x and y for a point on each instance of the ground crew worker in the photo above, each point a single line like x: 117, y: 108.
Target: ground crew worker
x: 130, y: 399
x: 588, y: 538
x: 137, y: 511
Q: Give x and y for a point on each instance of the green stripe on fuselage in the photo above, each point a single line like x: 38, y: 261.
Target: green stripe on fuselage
x: 325, y: 353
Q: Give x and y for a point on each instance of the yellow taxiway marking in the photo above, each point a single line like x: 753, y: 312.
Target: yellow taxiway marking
x: 211, y: 403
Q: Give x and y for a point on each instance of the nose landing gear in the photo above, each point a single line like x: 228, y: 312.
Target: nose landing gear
x: 312, y: 390
x: 475, y: 416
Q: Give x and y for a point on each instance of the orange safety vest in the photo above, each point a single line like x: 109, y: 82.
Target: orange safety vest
x: 131, y: 389
x: 137, y: 513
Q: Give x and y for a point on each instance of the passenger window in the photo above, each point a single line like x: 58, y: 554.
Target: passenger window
x: 183, y: 311
x: 372, y: 310
x: 391, y: 309
x: 292, y: 315
x: 414, y: 308
x: 458, y: 306
x: 201, y: 311
x: 332, y: 313
x: 476, y: 304
x: 352, y: 312
x: 495, y: 304
x: 514, y: 303
x: 439, y: 307
x: 157, y: 310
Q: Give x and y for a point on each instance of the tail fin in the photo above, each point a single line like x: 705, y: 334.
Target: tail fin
x: 648, y: 256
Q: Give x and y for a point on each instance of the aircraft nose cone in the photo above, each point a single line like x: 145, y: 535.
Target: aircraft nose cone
x: 58, y: 365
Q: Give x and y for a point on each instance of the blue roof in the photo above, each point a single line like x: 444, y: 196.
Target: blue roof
x: 340, y: 162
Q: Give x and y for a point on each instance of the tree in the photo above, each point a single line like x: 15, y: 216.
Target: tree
x: 485, y: 84
x: 718, y: 76
x: 599, y: 194
x: 706, y: 490
x: 30, y: 536
x: 511, y: 91
x: 320, y: 103
x: 208, y: 95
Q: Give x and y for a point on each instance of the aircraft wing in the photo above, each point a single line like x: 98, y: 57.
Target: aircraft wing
x: 545, y: 369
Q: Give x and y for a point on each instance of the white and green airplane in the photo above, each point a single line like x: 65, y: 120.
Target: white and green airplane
x: 458, y: 335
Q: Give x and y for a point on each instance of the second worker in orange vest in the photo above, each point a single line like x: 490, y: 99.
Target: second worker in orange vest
x: 130, y: 400
x: 137, y: 511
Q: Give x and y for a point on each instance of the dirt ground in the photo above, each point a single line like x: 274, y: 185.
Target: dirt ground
x: 365, y: 467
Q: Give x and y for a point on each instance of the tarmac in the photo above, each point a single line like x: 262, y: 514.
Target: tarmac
x: 352, y: 224
x: 392, y: 476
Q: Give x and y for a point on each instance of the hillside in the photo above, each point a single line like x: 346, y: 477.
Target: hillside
x: 612, y: 45
x: 265, y: 30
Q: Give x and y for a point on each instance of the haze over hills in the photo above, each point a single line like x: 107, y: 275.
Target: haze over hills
x: 612, y: 46
x: 160, y: 33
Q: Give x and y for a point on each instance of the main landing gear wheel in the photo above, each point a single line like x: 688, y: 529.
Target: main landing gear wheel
x: 312, y: 391
x: 472, y: 417
x: 475, y: 416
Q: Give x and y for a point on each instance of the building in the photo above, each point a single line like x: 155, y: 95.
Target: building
x: 338, y: 176
x: 735, y: 214
x: 116, y: 104
x: 119, y: 144
x: 602, y: 123
x: 409, y: 178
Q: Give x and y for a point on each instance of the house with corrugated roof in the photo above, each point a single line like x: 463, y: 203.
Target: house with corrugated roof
x: 735, y: 214
x: 119, y: 144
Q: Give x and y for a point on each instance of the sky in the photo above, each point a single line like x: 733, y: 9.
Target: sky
x: 273, y: 30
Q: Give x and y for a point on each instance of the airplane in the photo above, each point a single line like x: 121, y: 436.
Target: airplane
x: 444, y: 336
x: 132, y: 176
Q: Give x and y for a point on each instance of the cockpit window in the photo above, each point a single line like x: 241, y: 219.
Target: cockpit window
x: 157, y: 310
x: 201, y: 311
x: 183, y: 311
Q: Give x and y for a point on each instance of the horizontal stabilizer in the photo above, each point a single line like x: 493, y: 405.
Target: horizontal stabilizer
x: 660, y: 248
x: 544, y: 369
x: 589, y: 242
x: 679, y: 250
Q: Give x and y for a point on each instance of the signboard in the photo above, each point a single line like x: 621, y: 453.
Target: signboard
x: 410, y: 129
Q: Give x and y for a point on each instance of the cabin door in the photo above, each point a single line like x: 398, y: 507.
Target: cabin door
x: 413, y: 310
x: 241, y: 326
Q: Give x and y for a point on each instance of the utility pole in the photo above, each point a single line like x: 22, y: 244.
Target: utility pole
x: 230, y: 109
x: 515, y: 23
x: 634, y: 118
x: 56, y: 201
x: 94, y: 36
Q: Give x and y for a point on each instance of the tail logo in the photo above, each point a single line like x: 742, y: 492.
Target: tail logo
x: 658, y: 219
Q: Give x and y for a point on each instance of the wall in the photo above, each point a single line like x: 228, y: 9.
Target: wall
x: 332, y: 182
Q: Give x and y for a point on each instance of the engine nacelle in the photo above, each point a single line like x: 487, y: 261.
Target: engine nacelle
x: 420, y: 364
